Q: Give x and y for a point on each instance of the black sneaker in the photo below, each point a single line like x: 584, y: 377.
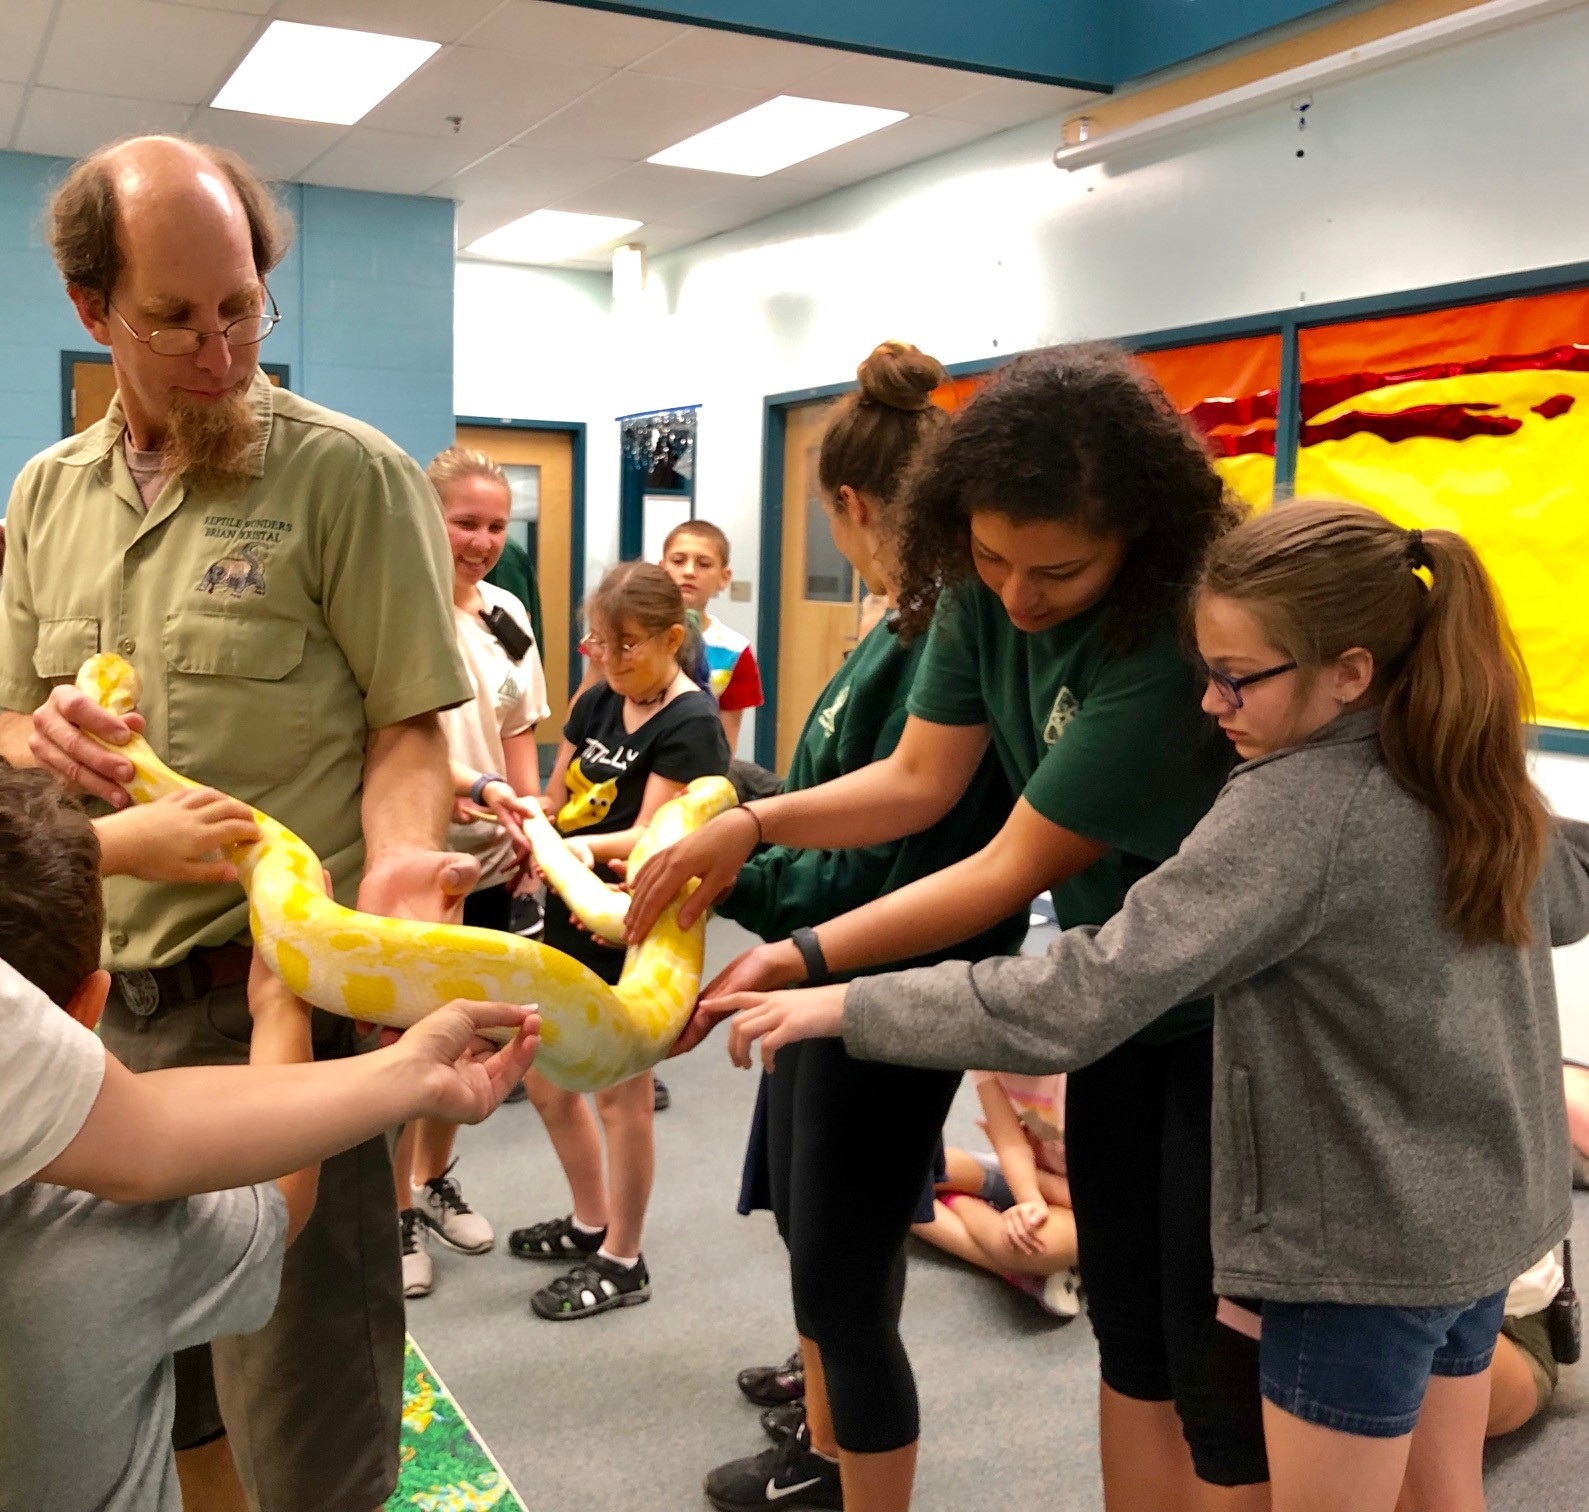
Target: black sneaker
x: 770, y: 1385
x: 661, y: 1098
x: 556, y: 1239
x: 788, y: 1475
x: 783, y: 1421
x: 594, y: 1287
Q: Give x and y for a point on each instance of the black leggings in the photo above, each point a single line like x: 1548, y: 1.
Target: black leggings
x: 1137, y: 1145
x: 850, y: 1146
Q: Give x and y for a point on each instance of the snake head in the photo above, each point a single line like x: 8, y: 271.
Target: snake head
x: 111, y: 681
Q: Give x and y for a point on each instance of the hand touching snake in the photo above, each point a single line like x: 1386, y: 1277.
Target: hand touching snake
x: 395, y: 971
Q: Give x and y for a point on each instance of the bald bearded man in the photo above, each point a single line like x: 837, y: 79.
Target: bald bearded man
x: 278, y: 574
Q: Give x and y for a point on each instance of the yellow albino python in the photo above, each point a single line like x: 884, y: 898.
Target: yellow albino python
x: 395, y: 971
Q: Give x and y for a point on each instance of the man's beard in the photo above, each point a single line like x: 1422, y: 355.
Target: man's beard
x: 210, y: 441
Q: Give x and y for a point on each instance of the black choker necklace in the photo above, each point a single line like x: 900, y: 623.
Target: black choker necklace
x: 645, y: 703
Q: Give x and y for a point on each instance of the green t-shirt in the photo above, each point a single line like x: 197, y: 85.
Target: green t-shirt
x: 1111, y: 746
x: 858, y: 720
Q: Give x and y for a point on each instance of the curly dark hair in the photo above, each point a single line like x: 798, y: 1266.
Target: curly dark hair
x: 1067, y: 433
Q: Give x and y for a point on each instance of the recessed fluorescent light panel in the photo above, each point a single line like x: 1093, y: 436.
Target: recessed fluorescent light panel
x: 320, y: 73
x: 772, y: 136
x: 549, y: 236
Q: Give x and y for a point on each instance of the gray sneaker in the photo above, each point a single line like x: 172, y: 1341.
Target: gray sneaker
x: 417, y: 1279
x: 456, y: 1224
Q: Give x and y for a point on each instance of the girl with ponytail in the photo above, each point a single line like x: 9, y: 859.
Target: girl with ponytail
x: 1372, y: 900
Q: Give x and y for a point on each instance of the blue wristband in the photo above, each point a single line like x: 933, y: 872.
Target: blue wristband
x: 477, y: 792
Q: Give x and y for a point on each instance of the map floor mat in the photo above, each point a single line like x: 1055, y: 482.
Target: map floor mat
x: 444, y: 1466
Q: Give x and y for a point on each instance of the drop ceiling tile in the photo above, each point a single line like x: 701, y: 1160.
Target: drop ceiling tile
x: 144, y: 49
x: 22, y: 27
x: 907, y: 141
x: 390, y: 162
x: 516, y: 181
x: 634, y: 115
x: 496, y: 96
x: 429, y: 20
x: 707, y: 56
x: 241, y: 7
x: 894, y: 84
x: 534, y: 29
x: 750, y: 200
x: 68, y: 124
x: 10, y: 108
x: 649, y: 191
x: 279, y: 149
x: 1014, y: 102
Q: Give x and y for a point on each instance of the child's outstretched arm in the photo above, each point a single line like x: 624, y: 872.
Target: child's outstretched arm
x: 179, y: 838
x: 1023, y: 1222
x: 194, y: 1129
x: 281, y: 1037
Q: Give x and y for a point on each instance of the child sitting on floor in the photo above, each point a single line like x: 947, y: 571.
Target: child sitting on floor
x: 1008, y: 1211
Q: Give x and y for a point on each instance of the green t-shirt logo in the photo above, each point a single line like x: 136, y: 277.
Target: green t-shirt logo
x: 1065, y: 709
x: 829, y: 715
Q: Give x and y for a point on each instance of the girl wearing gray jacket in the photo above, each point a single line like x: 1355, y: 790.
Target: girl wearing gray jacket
x: 1372, y: 900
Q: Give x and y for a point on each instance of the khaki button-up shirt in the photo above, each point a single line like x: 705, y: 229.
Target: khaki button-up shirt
x: 275, y: 623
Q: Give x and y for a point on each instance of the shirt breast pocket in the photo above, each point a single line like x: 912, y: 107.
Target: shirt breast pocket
x: 63, y: 645
x: 237, y: 708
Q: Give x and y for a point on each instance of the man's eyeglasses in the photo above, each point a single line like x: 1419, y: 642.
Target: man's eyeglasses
x: 1229, y: 688
x: 183, y: 341
x: 596, y: 646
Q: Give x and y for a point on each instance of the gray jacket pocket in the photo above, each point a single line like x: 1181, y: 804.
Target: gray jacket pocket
x: 1244, y: 1136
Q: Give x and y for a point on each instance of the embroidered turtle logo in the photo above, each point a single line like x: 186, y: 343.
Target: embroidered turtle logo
x: 1066, y: 708
x: 828, y: 718
x: 236, y: 575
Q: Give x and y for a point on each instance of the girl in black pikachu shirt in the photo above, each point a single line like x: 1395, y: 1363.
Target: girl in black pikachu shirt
x: 632, y: 741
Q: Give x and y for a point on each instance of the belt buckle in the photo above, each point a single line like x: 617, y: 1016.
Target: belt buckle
x: 139, y: 991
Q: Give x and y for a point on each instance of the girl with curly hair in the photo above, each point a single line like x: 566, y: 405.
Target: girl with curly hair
x: 1051, y: 535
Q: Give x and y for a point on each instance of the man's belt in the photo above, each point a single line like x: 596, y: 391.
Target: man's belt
x: 147, y: 992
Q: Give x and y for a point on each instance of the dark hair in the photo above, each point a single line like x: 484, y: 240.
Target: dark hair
x: 705, y: 530
x: 1322, y: 577
x: 643, y: 594
x: 51, y: 907
x: 872, y: 433
x: 1067, y: 433
x: 81, y: 225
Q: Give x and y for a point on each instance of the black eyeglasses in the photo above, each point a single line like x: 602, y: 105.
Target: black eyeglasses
x: 183, y: 341
x: 1229, y: 688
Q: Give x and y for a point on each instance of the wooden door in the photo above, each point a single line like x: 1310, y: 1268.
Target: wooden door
x: 819, y: 602
x: 94, y: 386
x: 550, y: 539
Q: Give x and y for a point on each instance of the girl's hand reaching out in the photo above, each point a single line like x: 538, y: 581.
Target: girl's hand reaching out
x: 778, y: 1019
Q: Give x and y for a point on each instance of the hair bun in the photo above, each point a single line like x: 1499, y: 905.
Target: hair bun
x: 900, y: 376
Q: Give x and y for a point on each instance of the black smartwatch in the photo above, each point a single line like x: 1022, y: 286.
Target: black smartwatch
x: 810, y: 948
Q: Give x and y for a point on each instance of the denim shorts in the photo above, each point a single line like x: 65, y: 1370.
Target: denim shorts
x: 1363, y: 1370
x: 995, y: 1189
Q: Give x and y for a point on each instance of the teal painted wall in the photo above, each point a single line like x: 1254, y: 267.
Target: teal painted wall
x: 1097, y: 43
x: 366, y: 295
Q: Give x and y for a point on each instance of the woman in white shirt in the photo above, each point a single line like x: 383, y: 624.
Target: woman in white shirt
x: 496, y: 774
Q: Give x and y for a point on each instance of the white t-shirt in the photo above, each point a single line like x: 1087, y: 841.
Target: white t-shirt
x: 509, y: 698
x: 50, y: 1075
x: 1536, y: 1288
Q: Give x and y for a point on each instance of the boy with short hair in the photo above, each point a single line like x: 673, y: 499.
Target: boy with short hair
x: 695, y: 556
x: 98, y: 1296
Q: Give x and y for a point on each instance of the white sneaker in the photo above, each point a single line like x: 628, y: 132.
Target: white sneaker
x: 1062, y: 1294
x: 416, y: 1262
x: 457, y: 1224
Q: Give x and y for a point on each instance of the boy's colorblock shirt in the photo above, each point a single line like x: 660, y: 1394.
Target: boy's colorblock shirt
x: 731, y: 666
x: 54, y: 1068
x: 96, y: 1299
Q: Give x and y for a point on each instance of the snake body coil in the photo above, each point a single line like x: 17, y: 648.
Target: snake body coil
x: 395, y: 971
